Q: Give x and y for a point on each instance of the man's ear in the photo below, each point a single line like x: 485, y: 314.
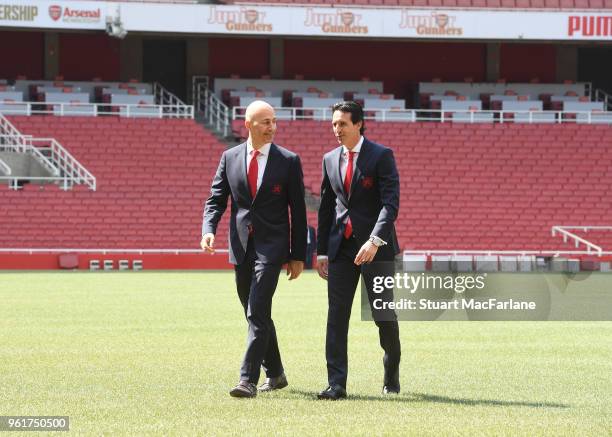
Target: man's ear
x: 247, y: 124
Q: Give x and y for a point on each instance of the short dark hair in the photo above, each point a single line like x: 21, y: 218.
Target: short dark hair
x: 354, y: 109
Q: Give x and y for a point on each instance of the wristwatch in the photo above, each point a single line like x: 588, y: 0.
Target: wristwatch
x: 376, y: 241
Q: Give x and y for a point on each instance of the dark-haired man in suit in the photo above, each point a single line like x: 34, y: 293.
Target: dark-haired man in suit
x: 359, y: 205
x: 265, y: 181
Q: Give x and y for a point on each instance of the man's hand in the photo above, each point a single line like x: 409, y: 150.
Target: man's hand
x: 208, y: 243
x: 294, y: 268
x: 322, y: 266
x: 366, y: 254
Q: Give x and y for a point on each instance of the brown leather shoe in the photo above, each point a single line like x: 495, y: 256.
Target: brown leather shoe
x: 244, y: 389
x: 274, y: 383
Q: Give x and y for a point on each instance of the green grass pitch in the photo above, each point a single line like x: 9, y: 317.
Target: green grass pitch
x: 155, y: 353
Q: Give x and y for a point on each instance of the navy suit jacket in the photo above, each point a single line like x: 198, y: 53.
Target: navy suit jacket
x: 282, y: 188
x: 372, y: 204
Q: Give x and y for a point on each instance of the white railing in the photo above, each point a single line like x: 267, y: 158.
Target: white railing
x: 565, y: 232
x: 4, y: 168
x: 42, y: 159
x: 11, y: 137
x: 96, y: 109
x: 196, y: 83
x: 71, y: 170
x: 602, y: 96
x: 518, y: 252
x: 107, y: 251
x: 171, y: 105
x: 214, y: 111
x: 447, y: 115
x: 62, y: 166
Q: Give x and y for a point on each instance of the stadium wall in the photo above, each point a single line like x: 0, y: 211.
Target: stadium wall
x: 47, y: 261
x: 249, y: 57
x: 84, y: 56
x: 399, y: 64
x: 25, y: 50
x: 542, y: 62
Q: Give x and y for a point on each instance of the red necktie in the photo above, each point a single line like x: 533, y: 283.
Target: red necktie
x: 252, y: 174
x: 348, y: 177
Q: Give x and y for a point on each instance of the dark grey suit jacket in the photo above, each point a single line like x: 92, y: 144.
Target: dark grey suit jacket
x: 372, y: 204
x: 276, y: 238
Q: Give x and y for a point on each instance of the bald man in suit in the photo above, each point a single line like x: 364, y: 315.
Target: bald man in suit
x: 267, y: 230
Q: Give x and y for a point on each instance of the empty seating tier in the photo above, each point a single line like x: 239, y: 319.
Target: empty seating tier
x: 479, y: 186
x: 153, y: 177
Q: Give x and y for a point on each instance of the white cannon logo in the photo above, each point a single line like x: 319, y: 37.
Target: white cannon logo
x: 338, y: 21
x: 241, y: 19
x: 431, y: 25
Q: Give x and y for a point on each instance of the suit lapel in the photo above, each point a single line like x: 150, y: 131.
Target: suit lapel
x: 243, y: 182
x: 361, y: 160
x: 336, y: 175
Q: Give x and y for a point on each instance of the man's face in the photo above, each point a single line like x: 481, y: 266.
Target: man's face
x: 262, y: 125
x: 346, y: 132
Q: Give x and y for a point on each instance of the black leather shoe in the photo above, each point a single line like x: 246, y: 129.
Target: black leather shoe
x: 244, y: 389
x: 391, y: 383
x: 391, y: 390
x: 274, y: 383
x: 332, y: 393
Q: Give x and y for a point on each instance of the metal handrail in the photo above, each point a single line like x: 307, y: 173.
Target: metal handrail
x: 567, y: 235
x: 131, y: 110
x: 213, y: 109
x: 554, y: 253
x: 54, y: 157
x: 68, y: 166
x: 587, y: 228
x: 165, y: 99
x: 4, y: 168
x: 602, y: 96
x: 7, y: 130
x: 48, y: 164
x: 196, y: 83
x: 413, y: 115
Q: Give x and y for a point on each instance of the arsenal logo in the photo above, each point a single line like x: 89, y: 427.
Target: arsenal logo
x: 441, y: 20
x: 276, y: 189
x: 347, y: 18
x: 55, y: 12
x: 251, y: 16
x: 367, y: 182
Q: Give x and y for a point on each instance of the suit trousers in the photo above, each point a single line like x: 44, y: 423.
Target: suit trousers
x: 256, y: 283
x: 341, y: 285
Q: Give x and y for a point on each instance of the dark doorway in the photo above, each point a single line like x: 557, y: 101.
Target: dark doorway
x: 595, y: 66
x: 164, y: 62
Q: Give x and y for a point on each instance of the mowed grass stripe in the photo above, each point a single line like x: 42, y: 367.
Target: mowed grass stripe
x: 153, y: 353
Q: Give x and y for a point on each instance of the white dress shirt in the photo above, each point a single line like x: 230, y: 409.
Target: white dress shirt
x: 262, y: 160
x: 344, y: 158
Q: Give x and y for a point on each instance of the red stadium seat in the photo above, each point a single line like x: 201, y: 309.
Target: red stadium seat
x: 148, y: 196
